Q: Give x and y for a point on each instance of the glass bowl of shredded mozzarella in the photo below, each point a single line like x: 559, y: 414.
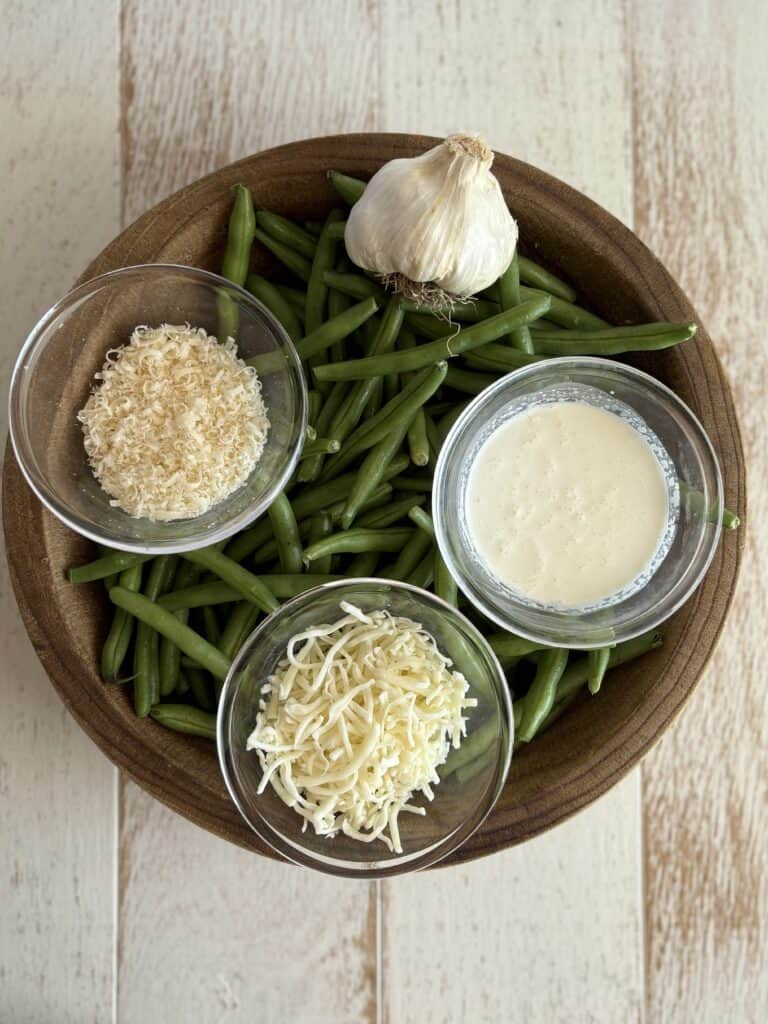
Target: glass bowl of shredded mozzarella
x: 157, y: 409
x: 365, y: 729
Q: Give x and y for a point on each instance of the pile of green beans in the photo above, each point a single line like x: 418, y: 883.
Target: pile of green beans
x: 387, y: 380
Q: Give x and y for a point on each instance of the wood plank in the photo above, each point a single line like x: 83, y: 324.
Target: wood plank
x: 701, y: 148
x: 59, y: 204
x: 210, y: 932
x: 198, y: 92
x: 523, y: 929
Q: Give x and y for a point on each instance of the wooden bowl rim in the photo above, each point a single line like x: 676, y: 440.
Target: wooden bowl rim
x: 137, y: 753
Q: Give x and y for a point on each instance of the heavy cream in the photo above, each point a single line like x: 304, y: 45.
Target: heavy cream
x: 567, y: 503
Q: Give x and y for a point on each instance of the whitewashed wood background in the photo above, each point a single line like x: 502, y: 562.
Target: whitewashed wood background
x: 651, y: 905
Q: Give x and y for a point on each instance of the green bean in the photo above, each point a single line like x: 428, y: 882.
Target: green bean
x: 411, y: 483
x: 199, y: 595
x: 166, y: 623
x: 334, y: 330
x: 120, y: 632
x: 445, y: 348
x: 199, y: 689
x: 354, y: 542
x: 613, y: 341
x: 100, y: 568
x: 323, y: 259
x: 416, y: 547
x: 537, y: 277
x: 434, y: 439
x: 426, y: 325
x: 170, y: 655
x: 391, y: 386
x: 509, y: 293
x: 320, y: 446
x: 321, y: 525
x: 231, y: 572
x: 286, y: 531
x: 375, y: 399
x: 470, y: 310
x: 447, y: 421
x: 186, y: 719
x: 337, y: 229
x: 278, y: 306
x: 314, y: 227
x: 285, y: 231
x: 295, y: 297
x: 313, y: 499
x: 314, y: 402
x: 577, y: 673
x: 565, y: 313
x: 363, y: 564
x: 445, y: 584
x: 380, y: 497
x: 507, y: 645
x: 467, y: 381
x: 693, y: 502
x: 211, y: 627
x: 501, y: 358
x: 390, y: 513
x: 237, y: 256
x: 348, y: 416
x: 423, y: 520
x: 337, y: 303
x: 373, y: 467
x: 424, y: 573
x: 402, y: 408
x: 418, y: 444
x: 310, y: 468
x: 293, y: 260
x: 539, y: 700
x: 597, y: 663
x: 356, y: 286
x: 238, y: 628
x: 146, y: 653
x: 350, y: 189
x: 182, y: 686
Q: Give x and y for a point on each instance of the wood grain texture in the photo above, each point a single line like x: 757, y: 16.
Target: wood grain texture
x: 532, y: 92
x: 198, y: 92
x: 58, y: 202
x: 584, y: 753
x: 210, y: 933
x: 701, y: 152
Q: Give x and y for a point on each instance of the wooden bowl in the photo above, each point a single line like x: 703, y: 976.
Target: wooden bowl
x: 600, y: 739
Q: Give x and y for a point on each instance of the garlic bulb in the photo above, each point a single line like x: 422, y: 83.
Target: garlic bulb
x: 438, y: 219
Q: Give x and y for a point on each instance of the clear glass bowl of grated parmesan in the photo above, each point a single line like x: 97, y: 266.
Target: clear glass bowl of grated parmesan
x: 55, y: 375
x: 365, y: 729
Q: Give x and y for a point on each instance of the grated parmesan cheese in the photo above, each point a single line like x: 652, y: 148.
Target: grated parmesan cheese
x: 357, y: 719
x: 176, y: 424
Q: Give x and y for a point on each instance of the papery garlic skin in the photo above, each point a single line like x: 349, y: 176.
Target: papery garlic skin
x: 439, y: 217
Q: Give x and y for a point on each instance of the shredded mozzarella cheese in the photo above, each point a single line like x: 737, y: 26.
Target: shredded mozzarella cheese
x: 176, y: 424
x: 356, y: 720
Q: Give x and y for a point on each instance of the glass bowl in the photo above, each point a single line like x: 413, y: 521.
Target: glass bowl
x: 463, y: 798
x: 53, y: 376
x: 694, y: 490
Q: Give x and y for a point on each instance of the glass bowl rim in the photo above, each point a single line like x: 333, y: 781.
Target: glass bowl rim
x: 303, y: 857
x: 662, y: 394
x: 46, y: 495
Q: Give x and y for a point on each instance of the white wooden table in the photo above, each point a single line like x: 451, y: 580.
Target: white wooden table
x: 652, y: 904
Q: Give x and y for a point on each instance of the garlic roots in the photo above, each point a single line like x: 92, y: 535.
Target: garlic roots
x: 436, y: 226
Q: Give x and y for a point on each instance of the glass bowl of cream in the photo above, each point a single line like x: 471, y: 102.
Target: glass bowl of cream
x: 577, y: 502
